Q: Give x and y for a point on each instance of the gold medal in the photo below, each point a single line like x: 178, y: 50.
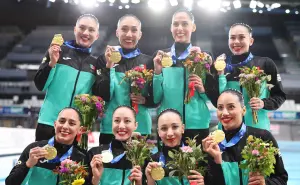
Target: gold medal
x: 115, y: 56
x: 107, y: 156
x: 57, y: 39
x: 166, y: 61
x: 157, y: 173
x: 220, y: 63
x: 52, y: 152
x: 218, y: 136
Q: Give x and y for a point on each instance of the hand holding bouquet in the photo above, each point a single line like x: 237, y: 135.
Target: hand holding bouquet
x: 259, y: 156
x: 90, y: 108
x: 197, y: 63
x: 138, y: 77
x: 252, y: 79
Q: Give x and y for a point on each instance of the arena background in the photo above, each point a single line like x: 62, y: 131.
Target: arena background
x: 27, y: 27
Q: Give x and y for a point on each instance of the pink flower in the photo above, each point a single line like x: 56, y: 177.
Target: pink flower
x: 207, y: 66
x: 83, y: 99
x: 255, y: 152
x: 186, y: 149
x: 197, y: 59
x: 65, y: 162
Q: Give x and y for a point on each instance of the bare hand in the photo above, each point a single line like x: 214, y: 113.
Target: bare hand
x: 198, y: 83
x: 136, y: 174
x: 196, y: 177
x: 256, y: 179
x: 54, y: 54
x: 97, y: 166
x: 212, y: 148
x: 256, y: 103
x: 157, y: 62
x: 137, y: 99
x: 108, y: 52
x: 34, y: 155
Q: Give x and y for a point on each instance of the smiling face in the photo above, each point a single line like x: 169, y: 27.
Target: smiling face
x: 230, y: 111
x: 67, y: 126
x: 124, y: 123
x: 129, y: 32
x: 240, y: 40
x: 86, y: 32
x: 170, y: 129
x: 182, y: 27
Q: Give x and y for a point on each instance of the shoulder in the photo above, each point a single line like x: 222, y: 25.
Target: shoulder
x: 265, y: 135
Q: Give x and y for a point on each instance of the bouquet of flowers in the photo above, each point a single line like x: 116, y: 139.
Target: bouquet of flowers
x: 187, y: 158
x: 197, y: 63
x: 259, y: 156
x: 90, y: 108
x: 138, y: 149
x: 251, y: 79
x: 71, y: 172
x: 138, y: 77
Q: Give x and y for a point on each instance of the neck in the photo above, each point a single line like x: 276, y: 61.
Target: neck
x: 239, y: 58
x: 166, y: 149
x: 128, y: 50
x: 230, y: 132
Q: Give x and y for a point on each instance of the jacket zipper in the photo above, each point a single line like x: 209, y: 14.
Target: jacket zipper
x: 123, y: 177
x: 75, y: 85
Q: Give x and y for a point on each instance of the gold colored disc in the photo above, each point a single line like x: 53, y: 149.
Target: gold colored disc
x: 115, y: 56
x: 166, y: 61
x: 107, y: 156
x: 52, y: 152
x: 57, y: 39
x: 220, y: 65
x: 218, y: 136
x: 157, y: 173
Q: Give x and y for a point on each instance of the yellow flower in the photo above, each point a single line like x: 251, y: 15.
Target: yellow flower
x: 78, y: 182
x: 250, y: 138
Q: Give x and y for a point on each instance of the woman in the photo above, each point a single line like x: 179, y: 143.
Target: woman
x: 240, y: 40
x: 170, y: 84
x: 230, y: 112
x: 108, y: 83
x: 119, y: 171
x: 66, y: 71
x: 31, y: 167
x: 170, y: 131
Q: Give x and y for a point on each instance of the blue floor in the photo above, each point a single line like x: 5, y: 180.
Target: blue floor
x: 290, y: 152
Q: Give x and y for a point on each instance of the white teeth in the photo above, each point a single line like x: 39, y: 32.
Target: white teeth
x: 128, y: 41
x: 121, y: 133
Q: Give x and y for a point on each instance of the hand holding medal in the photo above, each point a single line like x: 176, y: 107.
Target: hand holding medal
x: 57, y: 40
x: 218, y: 136
x: 107, y: 156
x: 54, y: 49
x: 166, y: 60
x: 157, y: 173
x: 51, y: 152
x: 220, y: 63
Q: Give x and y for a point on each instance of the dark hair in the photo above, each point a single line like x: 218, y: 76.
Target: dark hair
x: 129, y: 15
x: 169, y: 110
x: 126, y: 106
x: 76, y: 110
x: 191, y: 16
x: 90, y: 16
x: 236, y: 93
x: 243, y: 24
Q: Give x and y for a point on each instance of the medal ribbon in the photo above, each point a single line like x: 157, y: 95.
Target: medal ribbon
x: 236, y: 138
x: 182, y: 56
x: 229, y: 66
x: 57, y: 159
x: 132, y: 54
x: 71, y: 44
x: 118, y: 158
